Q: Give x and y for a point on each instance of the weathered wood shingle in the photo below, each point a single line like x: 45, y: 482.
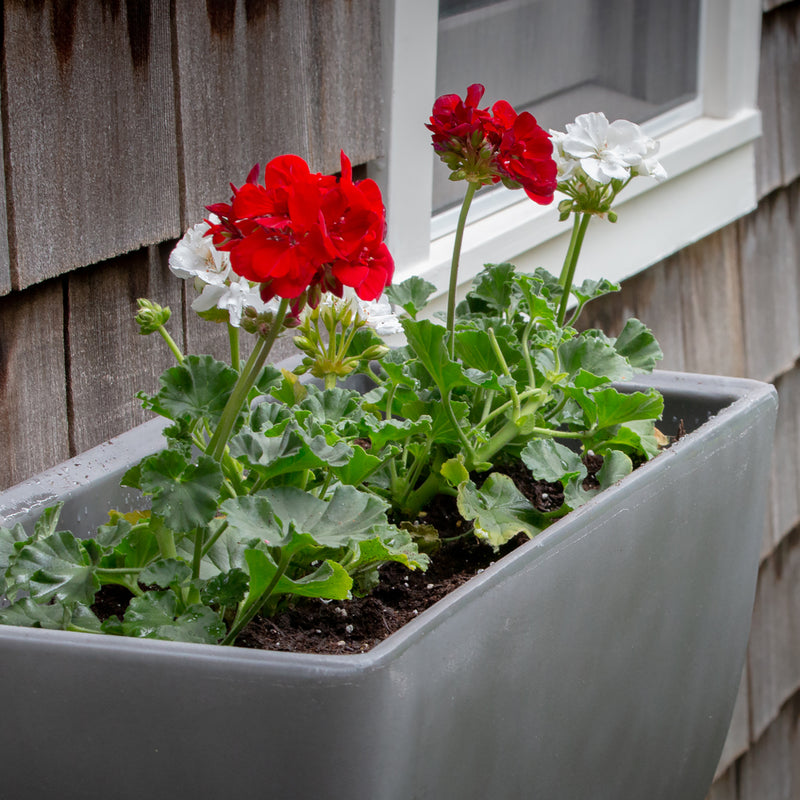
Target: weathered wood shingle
x: 91, y: 132
x: 260, y: 79
x: 33, y: 406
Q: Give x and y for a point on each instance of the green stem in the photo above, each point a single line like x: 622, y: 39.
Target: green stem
x: 451, y: 295
x: 233, y: 339
x: 197, y: 555
x: 240, y: 624
x: 210, y: 543
x: 245, y: 382
x: 506, y: 371
x: 171, y: 343
x: 164, y: 537
x: 571, y: 262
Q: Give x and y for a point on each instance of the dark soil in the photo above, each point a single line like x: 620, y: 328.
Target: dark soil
x: 356, y: 625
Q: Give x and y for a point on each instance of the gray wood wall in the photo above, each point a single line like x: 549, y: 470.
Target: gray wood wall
x: 731, y: 304
x: 121, y: 120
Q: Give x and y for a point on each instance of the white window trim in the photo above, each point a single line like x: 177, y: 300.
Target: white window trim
x: 710, y: 162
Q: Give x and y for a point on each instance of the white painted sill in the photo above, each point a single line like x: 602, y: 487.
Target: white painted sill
x: 711, y: 167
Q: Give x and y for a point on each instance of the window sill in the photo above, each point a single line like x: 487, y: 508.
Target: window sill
x: 711, y: 168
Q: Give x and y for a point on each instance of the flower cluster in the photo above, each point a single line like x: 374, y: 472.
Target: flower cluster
x: 300, y: 234
x: 483, y: 146
x: 596, y: 159
x: 195, y: 258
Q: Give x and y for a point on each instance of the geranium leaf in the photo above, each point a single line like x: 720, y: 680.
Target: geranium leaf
x: 638, y: 344
x: 184, y: 495
x: 48, y: 521
x: 359, y: 467
x: 616, y: 465
x: 11, y: 540
x: 26, y: 613
x: 592, y: 289
x: 155, y: 615
x: 498, y: 510
x: 550, y: 461
x: 616, y: 408
x: 226, y: 589
x: 494, y: 286
x: 56, y: 567
x: 411, y: 295
x: 166, y: 572
x: 198, y: 388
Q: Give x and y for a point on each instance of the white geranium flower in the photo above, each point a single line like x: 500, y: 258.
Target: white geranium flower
x: 234, y: 296
x: 379, y: 316
x: 606, y: 151
x: 196, y: 257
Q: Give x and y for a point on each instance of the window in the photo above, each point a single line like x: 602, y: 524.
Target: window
x: 686, y: 70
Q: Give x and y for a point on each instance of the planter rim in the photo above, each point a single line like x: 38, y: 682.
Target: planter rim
x: 738, y: 394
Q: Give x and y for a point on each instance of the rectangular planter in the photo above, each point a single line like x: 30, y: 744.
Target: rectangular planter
x: 601, y: 659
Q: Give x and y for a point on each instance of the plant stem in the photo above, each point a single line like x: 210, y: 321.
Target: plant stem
x: 451, y: 294
x: 247, y: 378
x: 164, y: 537
x: 571, y: 262
x: 257, y: 605
x: 233, y: 339
x: 176, y: 351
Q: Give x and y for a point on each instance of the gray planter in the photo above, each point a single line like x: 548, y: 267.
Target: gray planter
x: 600, y: 660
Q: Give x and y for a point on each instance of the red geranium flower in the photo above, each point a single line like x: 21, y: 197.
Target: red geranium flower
x: 486, y: 147
x: 303, y: 233
x: 525, y: 153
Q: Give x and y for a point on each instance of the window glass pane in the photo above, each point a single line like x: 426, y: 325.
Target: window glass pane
x: 632, y: 59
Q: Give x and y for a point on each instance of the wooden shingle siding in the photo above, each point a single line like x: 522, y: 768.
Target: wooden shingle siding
x: 771, y: 768
x: 103, y: 340
x: 91, y: 132
x: 33, y: 405
x: 257, y: 80
x: 770, y: 291
x: 5, y: 268
x: 775, y: 635
x: 769, y: 170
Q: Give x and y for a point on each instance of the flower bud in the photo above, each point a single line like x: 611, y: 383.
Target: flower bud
x: 612, y: 216
x: 151, y: 316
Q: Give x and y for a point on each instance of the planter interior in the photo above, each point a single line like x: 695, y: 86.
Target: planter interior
x: 602, y: 659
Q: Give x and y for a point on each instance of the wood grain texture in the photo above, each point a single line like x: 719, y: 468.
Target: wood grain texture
x: 770, y: 293
x: 769, y: 167
x: 258, y: 79
x: 775, y: 635
x: 787, y: 48
x: 109, y: 359
x: 771, y: 769
x: 91, y: 132
x: 784, y: 485
x: 33, y: 407
x: 724, y: 787
x: 651, y: 296
x: 5, y: 265
x: 710, y: 300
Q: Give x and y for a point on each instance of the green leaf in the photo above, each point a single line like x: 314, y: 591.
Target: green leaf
x: 359, y: 467
x: 47, y: 523
x: 333, y: 406
x: 184, y: 495
x: 617, y: 408
x: 329, y: 581
x: 638, y: 344
x: 454, y: 471
x: 198, y: 387
x: 56, y: 567
x: 637, y: 436
x: 550, y: 461
x: 498, y: 510
x: 595, y: 354
x: 494, y: 286
x: 11, y: 540
x: 616, y: 465
x: 26, y: 613
x: 283, y: 451
x: 592, y: 289
x: 155, y: 616
x: 411, y: 295
x: 226, y: 589
x: 137, y: 549
x: 474, y: 348
x: 110, y: 535
x: 166, y: 572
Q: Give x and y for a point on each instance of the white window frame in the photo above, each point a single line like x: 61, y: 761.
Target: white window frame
x: 710, y: 161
